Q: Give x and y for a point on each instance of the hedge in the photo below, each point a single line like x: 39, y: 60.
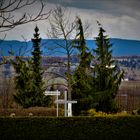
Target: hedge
x: 73, y: 128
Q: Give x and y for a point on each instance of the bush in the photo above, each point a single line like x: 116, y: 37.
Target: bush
x: 82, y: 106
x: 73, y: 128
x: 93, y: 112
x: 138, y: 111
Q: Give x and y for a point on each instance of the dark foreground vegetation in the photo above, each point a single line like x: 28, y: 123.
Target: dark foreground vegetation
x: 75, y: 128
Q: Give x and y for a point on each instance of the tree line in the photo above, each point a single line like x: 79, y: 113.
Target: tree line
x: 95, y: 81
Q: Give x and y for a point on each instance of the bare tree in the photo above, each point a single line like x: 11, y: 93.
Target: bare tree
x: 6, y: 86
x: 61, y: 27
x: 8, y: 18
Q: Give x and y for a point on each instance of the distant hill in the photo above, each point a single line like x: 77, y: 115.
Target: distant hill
x: 121, y: 47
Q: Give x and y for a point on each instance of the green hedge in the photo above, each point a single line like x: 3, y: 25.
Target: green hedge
x: 74, y: 128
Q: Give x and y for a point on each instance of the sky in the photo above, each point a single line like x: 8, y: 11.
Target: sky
x: 120, y: 18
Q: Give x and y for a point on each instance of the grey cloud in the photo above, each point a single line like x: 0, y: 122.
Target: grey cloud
x: 86, y: 4
x: 113, y: 7
x: 120, y: 18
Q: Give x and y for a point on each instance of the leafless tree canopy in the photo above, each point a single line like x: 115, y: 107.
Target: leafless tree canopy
x: 62, y: 27
x: 8, y: 19
x: 60, y: 23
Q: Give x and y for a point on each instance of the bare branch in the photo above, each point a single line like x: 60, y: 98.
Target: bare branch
x: 15, y: 5
x: 61, y: 27
x: 7, y: 14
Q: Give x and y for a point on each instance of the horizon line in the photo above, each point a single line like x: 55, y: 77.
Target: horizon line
x: 62, y: 39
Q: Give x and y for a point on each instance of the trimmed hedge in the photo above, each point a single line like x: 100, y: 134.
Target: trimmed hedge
x: 73, y: 128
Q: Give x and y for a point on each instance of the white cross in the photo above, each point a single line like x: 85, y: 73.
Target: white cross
x: 68, y: 112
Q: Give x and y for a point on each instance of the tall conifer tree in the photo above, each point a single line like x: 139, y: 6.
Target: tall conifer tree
x: 29, y: 79
x: 107, y: 76
x: 82, y: 79
x: 38, y: 83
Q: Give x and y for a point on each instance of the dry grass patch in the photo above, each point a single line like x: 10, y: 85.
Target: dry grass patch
x: 33, y: 111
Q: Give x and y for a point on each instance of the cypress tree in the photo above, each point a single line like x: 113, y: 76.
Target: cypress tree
x: 107, y: 76
x: 38, y: 84
x: 82, y: 79
x: 29, y: 78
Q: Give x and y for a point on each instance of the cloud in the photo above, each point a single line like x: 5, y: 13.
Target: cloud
x: 120, y: 18
x: 113, y: 7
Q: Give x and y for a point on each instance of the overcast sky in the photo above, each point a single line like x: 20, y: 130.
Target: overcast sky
x: 120, y: 18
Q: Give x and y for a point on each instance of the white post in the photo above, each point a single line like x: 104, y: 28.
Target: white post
x: 69, y: 109
x: 57, y: 103
x: 65, y: 98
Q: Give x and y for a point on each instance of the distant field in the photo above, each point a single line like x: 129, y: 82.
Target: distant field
x: 130, y: 85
